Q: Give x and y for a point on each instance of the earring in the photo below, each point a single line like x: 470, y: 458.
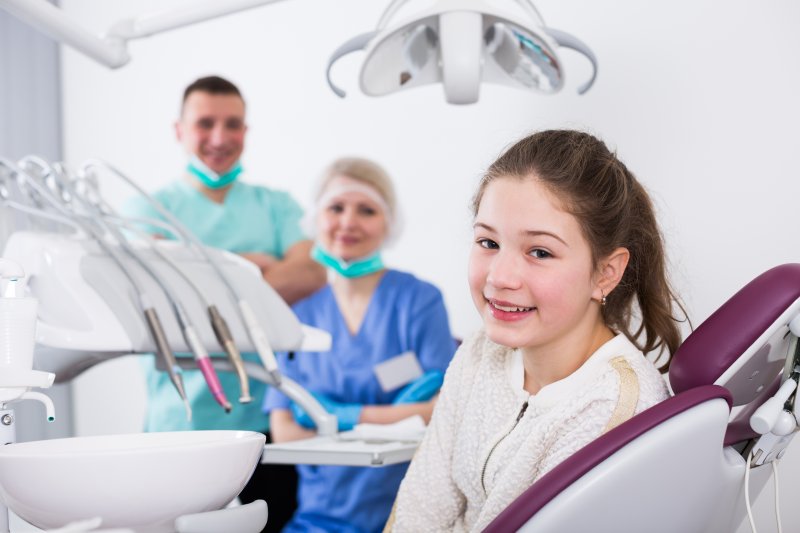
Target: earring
x: 603, y: 299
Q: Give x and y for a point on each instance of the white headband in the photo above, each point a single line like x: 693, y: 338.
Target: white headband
x: 308, y: 223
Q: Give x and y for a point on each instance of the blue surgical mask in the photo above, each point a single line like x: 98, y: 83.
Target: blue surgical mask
x: 208, y: 177
x: 349, y: 269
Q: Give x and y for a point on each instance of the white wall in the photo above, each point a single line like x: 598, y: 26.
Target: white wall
x: 698, y: 97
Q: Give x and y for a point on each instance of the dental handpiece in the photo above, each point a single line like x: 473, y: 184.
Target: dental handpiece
x: 187, y: 329
x: 155, y: 329
x: 218, y: 323
x: 225, y: 339
x: 253, y: 328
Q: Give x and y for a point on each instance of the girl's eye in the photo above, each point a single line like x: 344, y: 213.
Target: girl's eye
x: 538, y: 253
x: 488, y: 244
x: 335, y: 208
x: 366, y: 210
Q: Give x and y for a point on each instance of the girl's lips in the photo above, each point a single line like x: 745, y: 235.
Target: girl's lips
x: 507, y: 311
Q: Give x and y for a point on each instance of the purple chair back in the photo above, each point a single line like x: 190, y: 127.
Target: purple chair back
x: 743, y: 345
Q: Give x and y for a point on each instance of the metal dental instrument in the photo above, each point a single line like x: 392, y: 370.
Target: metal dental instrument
x: 155, y: 328
x: 201, y: 356
x: 218, y: 323
x: 253, y: 328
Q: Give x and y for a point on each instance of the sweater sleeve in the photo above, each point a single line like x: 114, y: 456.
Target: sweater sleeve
x: 428, y: 499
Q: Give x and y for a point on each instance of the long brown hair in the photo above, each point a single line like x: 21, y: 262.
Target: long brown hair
x: 613, y: 210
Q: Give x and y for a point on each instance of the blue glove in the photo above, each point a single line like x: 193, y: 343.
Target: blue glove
x: 421, y: 389
x: 347, y: 414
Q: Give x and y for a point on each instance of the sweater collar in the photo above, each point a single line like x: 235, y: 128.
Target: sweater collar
x: 575, y: 382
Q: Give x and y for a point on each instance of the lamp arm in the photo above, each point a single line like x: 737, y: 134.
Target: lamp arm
x: 389, y: 12
x: 354, y: 44
x: 528, y: 6
x: 567, y: 40
x: 190, y: 13
x: 110, y: 49
x: 50, y: 20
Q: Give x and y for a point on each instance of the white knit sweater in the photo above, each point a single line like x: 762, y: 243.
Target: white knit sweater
x: 476, y: 458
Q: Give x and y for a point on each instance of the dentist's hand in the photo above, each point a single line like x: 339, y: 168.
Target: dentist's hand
x: 422, y: 389
x: 347, y: 414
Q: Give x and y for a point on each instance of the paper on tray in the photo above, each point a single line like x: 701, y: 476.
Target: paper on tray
x: 408, y: 429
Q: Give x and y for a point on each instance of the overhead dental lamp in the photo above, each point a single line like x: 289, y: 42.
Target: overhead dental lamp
x: 461, y: 43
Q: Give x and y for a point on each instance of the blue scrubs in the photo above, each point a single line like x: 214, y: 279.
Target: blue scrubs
x: 405, y: 314
x: 251, y: 219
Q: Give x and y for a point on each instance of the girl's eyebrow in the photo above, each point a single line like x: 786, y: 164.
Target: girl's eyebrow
x: 531, y: 233
x: 536, y: 233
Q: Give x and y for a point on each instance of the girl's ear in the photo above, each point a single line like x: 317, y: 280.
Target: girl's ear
x: 610, y: 272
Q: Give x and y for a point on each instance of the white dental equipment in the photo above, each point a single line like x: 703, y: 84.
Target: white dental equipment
x: 87, y: 314
x: 144, y: 299
x: 91, y: 194
x: 254, y: 330
x: 187, y: 327
x: 110, y: 49
x: 461, y: 43
x: 17, y: 377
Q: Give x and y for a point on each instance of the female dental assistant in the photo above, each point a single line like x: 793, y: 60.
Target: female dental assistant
x: 374, y: 315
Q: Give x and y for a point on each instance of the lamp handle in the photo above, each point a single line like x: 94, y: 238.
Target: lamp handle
x: 570, y: 41
x: 354, y: 44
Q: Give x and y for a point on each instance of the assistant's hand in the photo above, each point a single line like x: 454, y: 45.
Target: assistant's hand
x: 422, y: 389
x: 347, y: 414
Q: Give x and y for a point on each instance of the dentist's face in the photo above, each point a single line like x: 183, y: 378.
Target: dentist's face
x: 351, y: 225
x: 212, y: 127
x: 530, y: 268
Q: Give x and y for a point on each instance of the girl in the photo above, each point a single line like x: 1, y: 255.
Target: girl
x: 565, y: 240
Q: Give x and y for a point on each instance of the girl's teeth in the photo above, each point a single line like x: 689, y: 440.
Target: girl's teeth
x: 512, y: 309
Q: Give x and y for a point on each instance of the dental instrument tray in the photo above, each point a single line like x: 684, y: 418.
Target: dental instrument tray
x: 88, y: 311
x: 341, y: 450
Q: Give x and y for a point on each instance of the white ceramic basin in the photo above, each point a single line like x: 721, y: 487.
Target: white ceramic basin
x: 139, y: 481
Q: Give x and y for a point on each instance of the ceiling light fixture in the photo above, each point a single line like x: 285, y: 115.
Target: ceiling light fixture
x: 461, y: 43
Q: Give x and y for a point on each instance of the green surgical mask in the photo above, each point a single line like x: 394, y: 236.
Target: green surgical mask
x: 352, y: 269
x: 208, y: 177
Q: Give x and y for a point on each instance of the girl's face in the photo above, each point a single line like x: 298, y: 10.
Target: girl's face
x: 350, y: 224
x: 530, y: 268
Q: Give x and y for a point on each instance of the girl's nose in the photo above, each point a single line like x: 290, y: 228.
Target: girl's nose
x: 504, y: 271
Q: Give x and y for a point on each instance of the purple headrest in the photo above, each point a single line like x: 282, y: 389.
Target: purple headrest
x: 733, y: 328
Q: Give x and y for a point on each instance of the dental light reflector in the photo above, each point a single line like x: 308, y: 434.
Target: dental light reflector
x: 461, y: 43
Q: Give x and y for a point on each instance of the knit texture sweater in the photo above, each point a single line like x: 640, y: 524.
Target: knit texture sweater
x: 489, y: 440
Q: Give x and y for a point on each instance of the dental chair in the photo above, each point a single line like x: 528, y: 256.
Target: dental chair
x: 681, y: 465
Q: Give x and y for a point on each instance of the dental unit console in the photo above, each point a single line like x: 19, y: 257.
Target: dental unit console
x: 81, y: 305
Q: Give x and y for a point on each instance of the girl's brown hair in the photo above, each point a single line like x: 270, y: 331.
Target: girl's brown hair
x: 613, y: 210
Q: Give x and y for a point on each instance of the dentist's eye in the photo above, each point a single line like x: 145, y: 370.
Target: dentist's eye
x: 367, y: 210
x: 488, y: 244
x: 336, y: 208
x: 538, y: 253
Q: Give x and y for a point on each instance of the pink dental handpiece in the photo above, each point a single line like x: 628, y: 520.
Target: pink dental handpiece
x: 214, y: 386
x: 203, y: 362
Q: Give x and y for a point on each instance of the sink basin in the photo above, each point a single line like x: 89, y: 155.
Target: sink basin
x: 140, y: 481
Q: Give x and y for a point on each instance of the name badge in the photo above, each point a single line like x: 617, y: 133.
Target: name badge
x: 398, y: 371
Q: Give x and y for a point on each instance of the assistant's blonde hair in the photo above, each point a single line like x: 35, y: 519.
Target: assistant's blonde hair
x: 367, y: 172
